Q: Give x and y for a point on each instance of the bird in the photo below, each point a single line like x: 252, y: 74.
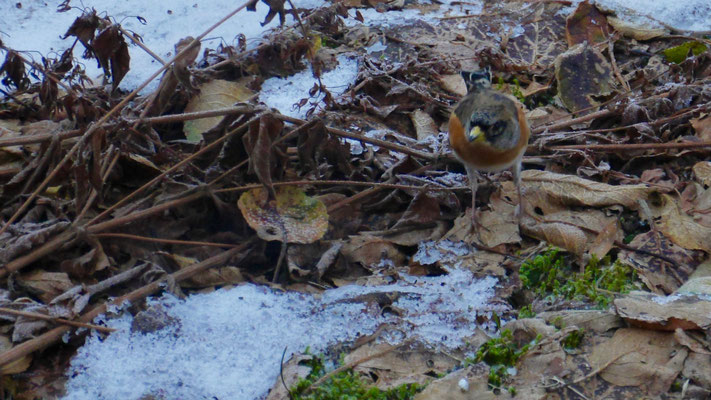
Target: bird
x: 488, y: 132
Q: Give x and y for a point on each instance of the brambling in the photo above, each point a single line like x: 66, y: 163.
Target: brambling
x: 488, y: 132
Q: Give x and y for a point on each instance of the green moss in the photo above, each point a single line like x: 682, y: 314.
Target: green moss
x: 678, y: 54
x: 346, y: 385
x: 516, y: 91
x: 548, y: 275
x: 500, y: 354
x: 573, y: 340
x: 526, y: 312
x: 515, y: 88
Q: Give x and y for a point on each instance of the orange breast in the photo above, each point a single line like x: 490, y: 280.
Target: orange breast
x: 482, y: 156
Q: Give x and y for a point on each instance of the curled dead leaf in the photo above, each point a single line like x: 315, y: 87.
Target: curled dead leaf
x: 293, y: 215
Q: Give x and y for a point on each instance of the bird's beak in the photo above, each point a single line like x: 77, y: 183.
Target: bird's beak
x: 476, y: 134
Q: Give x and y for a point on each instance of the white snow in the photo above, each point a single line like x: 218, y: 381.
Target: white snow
x: 228, y: 344
x: 166, y: 23
x: 686, y: 15
x: 284, y: 94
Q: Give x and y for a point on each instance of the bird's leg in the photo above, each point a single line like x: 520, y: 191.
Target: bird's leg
x: 516, y: 171
x: 472, y: 175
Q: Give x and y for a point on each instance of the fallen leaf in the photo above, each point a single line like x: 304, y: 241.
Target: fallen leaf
x: 665, y: 313
x: 463, y: 384
x: 680, y: 227
x: 263, y: 156
x: 454, y: 84
x: 702, y: 127
x: 658, y: 275
x: 583, y: 74
x: 214, y: 95
x: 635, y: 30
x: 636, y: 357
x: 414, y: 364
x: 586, y: 24
x: 424, y: 124
x: 294, y: 215
x: 370, y: 251
x: 15, y: 367
x: 45, y: 285
x: 290, y: 373
x: 702, y: 171
x: 571, y: 190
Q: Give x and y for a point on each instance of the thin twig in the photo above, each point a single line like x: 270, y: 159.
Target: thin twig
x: 164, y: 241
x: 56, y: 320
x: 633, y: 146
x: 381, y: 185
x: 141, y: 45
x: 363, y: 138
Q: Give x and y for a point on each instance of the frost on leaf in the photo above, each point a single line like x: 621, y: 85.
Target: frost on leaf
x: 303, y: 218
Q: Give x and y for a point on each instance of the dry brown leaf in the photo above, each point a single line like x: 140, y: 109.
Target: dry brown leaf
x: 571, y: 190
x: 685, y: 339
x: 651, y: 311
x: 23, y: 237
x: 214, y: 95
x: 225, y: 275
x: 547, y: 358
x: 659, y: 276
x: 15, y: 367
x: 680, y: 227
x: 111, y: 51
x: 400, y: 366
x: 605, y: 239
x: 454, y: 84
x: 470, y: 383
x: 549, y: 218
x: 264, y: 157
x: 293, y: 215
x: 586, y: 24
x: 633, y: 30
x: 540, y: 43
x: 45, y: 285
x: 177, y: 73
x: 534, y: 88
x: 292, y: 371
x: 311, y: 260
x: 698, y: 368
x: 369, y: 251
x: 499, y: 225
x: 583, y: 74
x: 424, y: 124
x: 589, y: 320
x: 414, y: 236
x: 699, y: 282
x: 702, y: 171
x: 702, y: 126
x: 634, y: 357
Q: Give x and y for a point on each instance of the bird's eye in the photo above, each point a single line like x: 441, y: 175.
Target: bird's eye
x: 498, y: 128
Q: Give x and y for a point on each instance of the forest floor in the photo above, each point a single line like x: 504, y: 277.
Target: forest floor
x: 286, y: 207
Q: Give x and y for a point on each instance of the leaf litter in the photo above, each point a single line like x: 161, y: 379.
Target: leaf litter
x: 111, y: 197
